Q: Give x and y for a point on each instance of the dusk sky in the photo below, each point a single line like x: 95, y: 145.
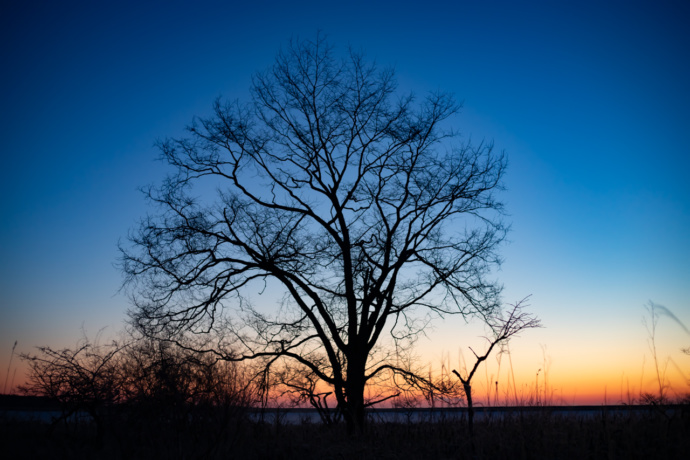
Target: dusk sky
x: 589, y: 100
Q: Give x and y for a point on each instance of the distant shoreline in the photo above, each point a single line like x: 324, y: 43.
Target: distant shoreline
x: 40, y: 403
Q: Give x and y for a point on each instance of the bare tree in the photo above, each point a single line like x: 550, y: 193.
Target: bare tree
x: 172, y: 388
x: 503, y: 327
x: 300, y: 387
x: 85, y: 378
x: 356, y: 202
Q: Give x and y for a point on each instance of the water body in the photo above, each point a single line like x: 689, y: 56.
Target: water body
x: 434, y: 415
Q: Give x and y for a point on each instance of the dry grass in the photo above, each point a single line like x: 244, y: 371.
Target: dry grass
x: 522, y: 434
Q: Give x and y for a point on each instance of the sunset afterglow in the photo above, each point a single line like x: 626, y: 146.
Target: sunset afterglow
x: 587, y: 99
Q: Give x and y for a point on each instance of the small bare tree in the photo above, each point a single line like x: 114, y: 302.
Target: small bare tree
x: 85, y: 378
x: 169, y: 371
x: 301, y: 387
x: 503, y: 327
x: 169, y: 384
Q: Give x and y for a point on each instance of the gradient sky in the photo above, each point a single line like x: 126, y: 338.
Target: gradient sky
x: 590, y: 100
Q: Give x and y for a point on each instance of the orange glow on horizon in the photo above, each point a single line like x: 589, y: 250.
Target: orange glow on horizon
x: 526, y: 379
x: 585, y: 390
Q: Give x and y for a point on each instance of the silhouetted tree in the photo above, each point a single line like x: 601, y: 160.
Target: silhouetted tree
x: 355, y: 201
x: 173, y: 389
x: 503, y: 327
x: 301, y: 386
x: 85, y: 378
x: 157, y: 371
x: 140, y: 388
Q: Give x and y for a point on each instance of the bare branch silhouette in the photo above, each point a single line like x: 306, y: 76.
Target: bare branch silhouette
x: 503, y: 327
x: 356, y: 203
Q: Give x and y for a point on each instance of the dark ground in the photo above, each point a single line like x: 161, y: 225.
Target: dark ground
x: 653, y: 432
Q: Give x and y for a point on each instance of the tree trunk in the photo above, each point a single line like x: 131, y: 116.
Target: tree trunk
x: 470, y: 412
x: 354, y: 410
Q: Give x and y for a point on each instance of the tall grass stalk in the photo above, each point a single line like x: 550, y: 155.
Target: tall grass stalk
x: 14, y: 374
x: 9, y: 367
x: 512, y: 373
x: 651, y: 331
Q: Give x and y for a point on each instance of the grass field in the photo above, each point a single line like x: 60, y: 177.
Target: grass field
x: 648, y: 432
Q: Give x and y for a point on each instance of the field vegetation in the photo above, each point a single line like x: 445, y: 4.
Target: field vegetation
x: 141, y: 431
x: 145, y: 398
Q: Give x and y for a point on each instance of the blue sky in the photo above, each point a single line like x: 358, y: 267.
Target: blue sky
x: 588, y: 99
